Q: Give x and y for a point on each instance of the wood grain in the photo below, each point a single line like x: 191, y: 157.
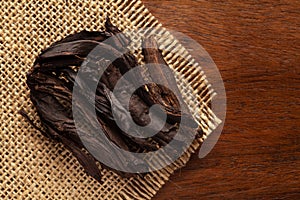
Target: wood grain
x: 256, y: 46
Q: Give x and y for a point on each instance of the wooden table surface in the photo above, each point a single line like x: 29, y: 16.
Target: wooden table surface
x: 256, y: 46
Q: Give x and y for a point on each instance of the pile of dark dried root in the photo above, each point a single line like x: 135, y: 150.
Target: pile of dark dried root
x: 51, y: 82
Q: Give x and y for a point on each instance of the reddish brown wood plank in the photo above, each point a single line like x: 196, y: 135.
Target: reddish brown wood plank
x: 256, y: 46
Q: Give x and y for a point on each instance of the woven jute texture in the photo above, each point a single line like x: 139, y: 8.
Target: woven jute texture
x: 32, y: 166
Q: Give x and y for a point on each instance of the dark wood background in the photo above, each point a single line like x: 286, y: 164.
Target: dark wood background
x: 256, y: 46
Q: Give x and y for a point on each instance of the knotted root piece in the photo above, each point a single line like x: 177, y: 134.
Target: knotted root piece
x: 51, y: 82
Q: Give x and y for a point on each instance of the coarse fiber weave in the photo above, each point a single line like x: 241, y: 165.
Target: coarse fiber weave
x: 32, y: 166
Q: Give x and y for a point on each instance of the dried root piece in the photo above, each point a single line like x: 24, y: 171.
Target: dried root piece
x: 51, y: 82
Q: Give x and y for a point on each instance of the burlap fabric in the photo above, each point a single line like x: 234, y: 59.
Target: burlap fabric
x: 33, y: 167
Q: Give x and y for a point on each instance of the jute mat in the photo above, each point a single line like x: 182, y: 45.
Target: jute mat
x: 33, y: 167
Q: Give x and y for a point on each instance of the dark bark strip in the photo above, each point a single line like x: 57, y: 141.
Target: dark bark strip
x: 51, y: 82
